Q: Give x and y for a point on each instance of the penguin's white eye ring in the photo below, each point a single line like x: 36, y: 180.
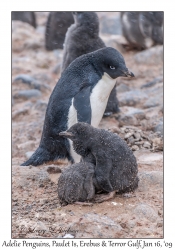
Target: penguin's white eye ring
x: 112, y: 67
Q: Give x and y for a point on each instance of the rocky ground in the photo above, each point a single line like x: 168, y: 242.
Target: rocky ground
x: 36, y: 211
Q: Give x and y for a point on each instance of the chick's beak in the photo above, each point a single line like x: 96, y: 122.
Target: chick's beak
x: 66, y: 134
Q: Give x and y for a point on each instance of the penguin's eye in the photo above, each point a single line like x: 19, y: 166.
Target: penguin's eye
x: 112, y: 67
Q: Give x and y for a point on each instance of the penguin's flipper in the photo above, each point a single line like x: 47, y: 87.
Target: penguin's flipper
x: 83, y: 106
x: 102, y: 173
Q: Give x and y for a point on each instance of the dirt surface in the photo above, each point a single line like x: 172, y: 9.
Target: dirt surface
x: 36, y: 211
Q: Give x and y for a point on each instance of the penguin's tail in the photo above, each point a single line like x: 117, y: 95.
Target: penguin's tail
x: 40, y: 156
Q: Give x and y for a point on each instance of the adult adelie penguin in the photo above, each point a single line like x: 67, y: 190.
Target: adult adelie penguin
x: 80, y: 95
x: 82, y: 37
x: 142, y: 29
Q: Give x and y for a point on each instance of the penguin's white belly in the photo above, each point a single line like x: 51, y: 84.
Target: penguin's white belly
x: 99, y: 98
x: 72, y: 119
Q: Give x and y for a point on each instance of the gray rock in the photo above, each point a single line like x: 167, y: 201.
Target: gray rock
x: 57, y: 69
x: 30, y: 176
x: 29, y: 154
x: 138, y: 113
x: 146, y: 158
x: 146, y: 144
x: 124, y: 119
x: 123, y: 88
x: 153, y: 82
x: 31, y: 82
x: 40, y: 227
x: 96, y: 225
x: 27, y: 94
x: 153, y: 102
x: 150, y: 56
x: 41, y: 105
x: 145, y: 211
x: 159, y: 128
x: 135, y: 148
x: 19, y: 112
x: 147, y: 179
x: 110, y: 25
x: 131, y: 98
x: 24, y: 79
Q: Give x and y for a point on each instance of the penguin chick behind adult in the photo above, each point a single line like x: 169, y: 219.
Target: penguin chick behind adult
x: 80, y: 95
x: 82, y: 37
x: 115, y: 164
x: 76, y: 183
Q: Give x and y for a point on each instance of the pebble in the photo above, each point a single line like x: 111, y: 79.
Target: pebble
x: 146, y: 144
x: 30, y: 176
x: 153, y: 82
x: 57, y: 69
x: 131, y: 140
x: 124, y: 119
x: 137, y: 136
x: 150, y: 56
x: 135, y: 147
x: 68, y: 236
x: 41, y: 105
x: 19, y: 112
x: 27, y: 94
x: 131, y: 98
x: 40, y: 227
x: 159, y: 128
x: 143, y: 210
x: 24, y: 36
x: 123, y: 88
x: 128, y: 135
x: 29, y: 154
x: 154, y: 101
x: 26, y: 144
x: 147, y: 179
x: 138, y: 113
x: 31, y: 81
x: 53, y: 169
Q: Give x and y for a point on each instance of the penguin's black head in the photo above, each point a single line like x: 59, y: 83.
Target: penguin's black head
x: 110, y: 61
x: 81, y: 135
x: 88, y: 20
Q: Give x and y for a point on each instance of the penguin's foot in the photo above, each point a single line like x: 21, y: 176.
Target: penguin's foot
x: 101, y: 198
x: 83, y: 203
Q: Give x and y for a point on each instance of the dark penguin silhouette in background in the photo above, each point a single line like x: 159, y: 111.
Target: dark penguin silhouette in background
x: 142, y: 29
x: 80, y: 95
x: 25, y: 16
x: 56, y: 28
x: 115, y: 164
x: 82, y: 37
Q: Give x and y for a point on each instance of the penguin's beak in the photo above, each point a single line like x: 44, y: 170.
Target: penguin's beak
x: 66, y: 134
x: 127, y: 73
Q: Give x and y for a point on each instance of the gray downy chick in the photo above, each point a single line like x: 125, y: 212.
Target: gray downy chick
x: 76, y: 183
x: 115, y: 164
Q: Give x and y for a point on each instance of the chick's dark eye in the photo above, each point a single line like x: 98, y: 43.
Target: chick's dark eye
x: 112, y: 67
